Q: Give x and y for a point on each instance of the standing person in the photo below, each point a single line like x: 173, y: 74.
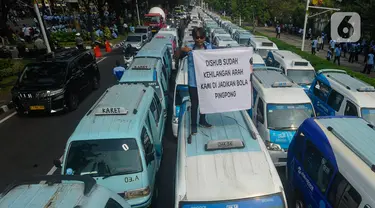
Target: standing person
x: 320, y: 42
x: 26, y: 33
x: 125, y: 28
x: 278, y: 31
x: 118, y: 71
x: 337, y: 54
x: 323, y: 39
x: 199, y: 36
x: 370, y: 62
x: 79, y: 41
x: 314, y: 45
x: 39, y: 45
x: 332, y: 44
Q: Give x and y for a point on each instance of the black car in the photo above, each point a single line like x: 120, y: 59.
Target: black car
x: 56, y: 83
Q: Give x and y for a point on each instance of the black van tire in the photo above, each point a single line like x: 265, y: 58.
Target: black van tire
x: 298, y: 202
x: 72, y: 102
x: 95, y: 83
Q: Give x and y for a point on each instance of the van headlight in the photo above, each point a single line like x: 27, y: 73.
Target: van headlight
x: 272, y: 146
x: 137, y: 193
x: 175, y: 120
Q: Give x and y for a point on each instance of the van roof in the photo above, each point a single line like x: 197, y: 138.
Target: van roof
x: 152, y: 50
x: 257, y: 59
x: 349, y: 86
x: 144, y: 63
x: 292, y: 60
x: 135, y: 99
x: 54, y: 193
x: 263, y: 42
x: 232, y: 173
x: 276, y: 87
x: 137, y: 76
x: 352, y: 143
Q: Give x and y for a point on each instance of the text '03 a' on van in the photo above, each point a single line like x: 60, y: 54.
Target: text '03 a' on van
x: 60, y: 191
x: 279, y: 107
x: 119, y: 143
x: 227, y: 165
x: 334, y: 92
x: 331, y: 163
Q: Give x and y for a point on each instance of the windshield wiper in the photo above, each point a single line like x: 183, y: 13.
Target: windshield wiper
x: 119, y: 173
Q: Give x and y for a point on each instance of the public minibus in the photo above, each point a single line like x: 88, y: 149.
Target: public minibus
x: 157, y: 51
x: 181, y: 91
x: 331, y: 163
x: 170, y: 41
x: 258, y: 61
x: 334, y: 92
x: 227, y: 166
x: 242, y: 38
x: 119, y: 143
x: 147, y: 68
x: 279, y: 107
x: 294, y: 66
x: 172, y: 31
x: 262, y: 46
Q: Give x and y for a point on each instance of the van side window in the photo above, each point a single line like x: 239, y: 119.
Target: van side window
x: 260, y: 111
x: 146, y: 141
x: 321, y: 90
x: 298, y: 147
x: 334, y: 100
x: 154, y: 111
x: 112, y: 204
x: 157, y: 101
x: 343, y: 193
x: 148, y: 123
x: 350, y: 109
x: 255, y: 94
x: 317, y: 167
x: 164, y: 70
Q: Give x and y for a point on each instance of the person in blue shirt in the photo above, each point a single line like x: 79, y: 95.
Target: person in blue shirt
x: 199, y: 36
x: 337, y: 54
x: 314, y: 45
x: 369, y: 62
x: 118, y: 71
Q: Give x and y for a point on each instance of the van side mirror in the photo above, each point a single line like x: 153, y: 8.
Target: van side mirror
x: 150, y: 157
x: 57, y: 163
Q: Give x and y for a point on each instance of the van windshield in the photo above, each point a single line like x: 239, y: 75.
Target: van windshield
x: 269, y: 201
x: 244, y: 41
x: 301, y: 76
x: 103, y: 157
x: 369, y: 115
x: 289, y: 116
x: 140, y: 30
x: 262, y: 52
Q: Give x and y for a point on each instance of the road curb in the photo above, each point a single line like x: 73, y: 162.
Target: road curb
x: 6, y: 108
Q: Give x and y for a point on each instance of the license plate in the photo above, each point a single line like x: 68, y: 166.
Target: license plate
x: 153, y: 30
x: 37, y: 107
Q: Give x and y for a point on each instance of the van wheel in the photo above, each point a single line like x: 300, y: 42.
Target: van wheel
x: 95, y: 83
x: 72, y: 102
x: 298, y: 200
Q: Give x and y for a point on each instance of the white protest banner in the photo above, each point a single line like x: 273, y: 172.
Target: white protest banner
x: 223, y: 79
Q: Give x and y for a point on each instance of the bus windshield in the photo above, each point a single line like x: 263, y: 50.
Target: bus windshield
x: 103, y: 157
x: 301, y: 76
x: 287, y: 116
x: 154, y: 19
x: 369, y: 115
x: 269, y: 201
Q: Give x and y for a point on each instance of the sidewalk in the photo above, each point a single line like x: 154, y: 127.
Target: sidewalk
x: 297, y: 41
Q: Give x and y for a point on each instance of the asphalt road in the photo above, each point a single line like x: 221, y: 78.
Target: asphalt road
x: 30, y: 144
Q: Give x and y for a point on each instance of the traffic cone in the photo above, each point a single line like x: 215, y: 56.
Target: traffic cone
x: 107, y: 47
x: 97, y: 52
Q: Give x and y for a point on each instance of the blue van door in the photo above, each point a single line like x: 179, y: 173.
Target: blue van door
x: 326, y: 101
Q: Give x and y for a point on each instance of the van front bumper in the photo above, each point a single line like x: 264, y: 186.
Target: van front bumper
x: 137, y: 203
x: 279, y: 158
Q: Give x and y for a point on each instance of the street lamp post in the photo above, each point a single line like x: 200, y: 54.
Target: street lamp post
x: 139, y: 20
x: 42, y: 27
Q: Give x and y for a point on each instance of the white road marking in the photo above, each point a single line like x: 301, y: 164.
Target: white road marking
x: 8, y: 117
x: 14, y: 113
